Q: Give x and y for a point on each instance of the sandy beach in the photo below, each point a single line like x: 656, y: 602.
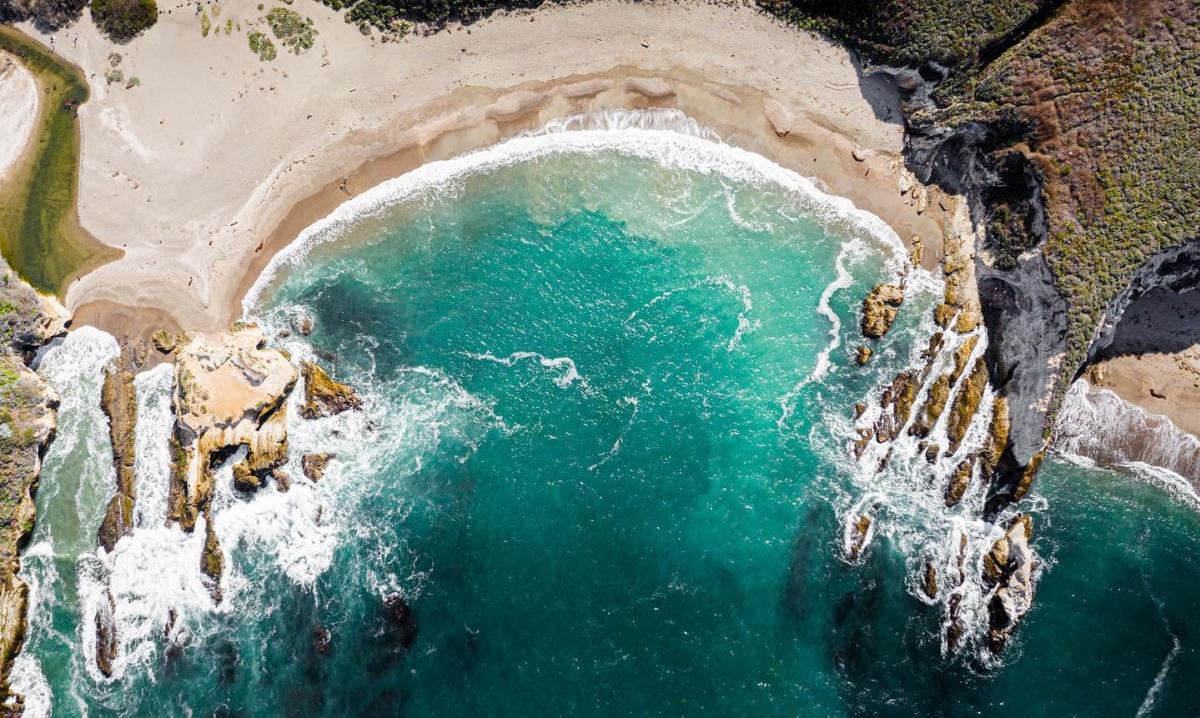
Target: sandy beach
x: 199, y: 188
x: 1166, y: 384
x: 18, y: 110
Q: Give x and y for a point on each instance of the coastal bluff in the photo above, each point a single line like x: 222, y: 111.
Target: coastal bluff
x: 28, y: 415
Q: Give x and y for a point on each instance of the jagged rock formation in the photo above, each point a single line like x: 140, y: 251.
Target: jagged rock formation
x: 880, y: 309
x: 960, y: 480
x: 966, y: 404
x: 899, y: 397
x: 212, y: 560
x: 106, y: 635
x: 118, y: 399
x: 323, y: 396
x: 230, y: 392
x: 314, y: 465
x: 1009, y: 566
x: 28, y: 414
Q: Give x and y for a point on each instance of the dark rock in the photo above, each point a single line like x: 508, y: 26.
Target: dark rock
x: 244, y: 479
x: 930, y: 584
x: 283, y: 480
x: 401, y: 617
x: 322, y: 640
x: 106, y: 635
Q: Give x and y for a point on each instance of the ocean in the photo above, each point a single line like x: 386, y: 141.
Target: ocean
x: 604, y: 467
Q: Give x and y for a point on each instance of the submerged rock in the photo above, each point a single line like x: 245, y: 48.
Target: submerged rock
x: 322, y: 640
x: 401, y: 617
x: 323, y: 396
x: 880, y: 309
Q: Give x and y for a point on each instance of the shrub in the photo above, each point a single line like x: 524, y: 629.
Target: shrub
x: 123, y: 20
x: 261, y: 45
x: 295, y: 32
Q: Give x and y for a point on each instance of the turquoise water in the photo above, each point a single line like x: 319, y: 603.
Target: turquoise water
x: 604, y: 466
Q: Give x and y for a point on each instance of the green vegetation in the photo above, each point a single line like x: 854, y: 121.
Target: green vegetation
x: 396, y: 18
x: 261, y: 45
x: 912, y: 32
x: 294, y: 31
x: 1099, y: 97
x: 40, y: 234
x: 205, y: 24
x: 123, y: 20
x: 1114, y: 140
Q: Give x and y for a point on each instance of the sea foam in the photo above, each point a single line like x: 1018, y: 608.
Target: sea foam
x: 669, y: 138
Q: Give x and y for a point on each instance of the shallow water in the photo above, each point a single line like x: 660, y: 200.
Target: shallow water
x: 604, y: 463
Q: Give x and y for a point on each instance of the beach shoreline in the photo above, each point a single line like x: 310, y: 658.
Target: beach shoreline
x: 199, y: 227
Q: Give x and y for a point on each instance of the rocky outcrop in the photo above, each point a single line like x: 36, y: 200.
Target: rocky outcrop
x: 960, y: 481
x: 28, y: 415
x: 929, y: 583
x: 28, y: 320
x: 314, y: 465
x: 230, y: 392
x: 1009, y: 566
x: 323, y: 396
x: 859, y: 536
x: 106, y: 635
x: 935, y: 404
x: 118, y: 399
x: 899, y: 398
x: 880, y: 308
x: 212, y: 561
x: 966, y: 404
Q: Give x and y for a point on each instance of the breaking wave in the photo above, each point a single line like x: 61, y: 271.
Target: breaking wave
x: 1097, y: 427
x: 668, y: 138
